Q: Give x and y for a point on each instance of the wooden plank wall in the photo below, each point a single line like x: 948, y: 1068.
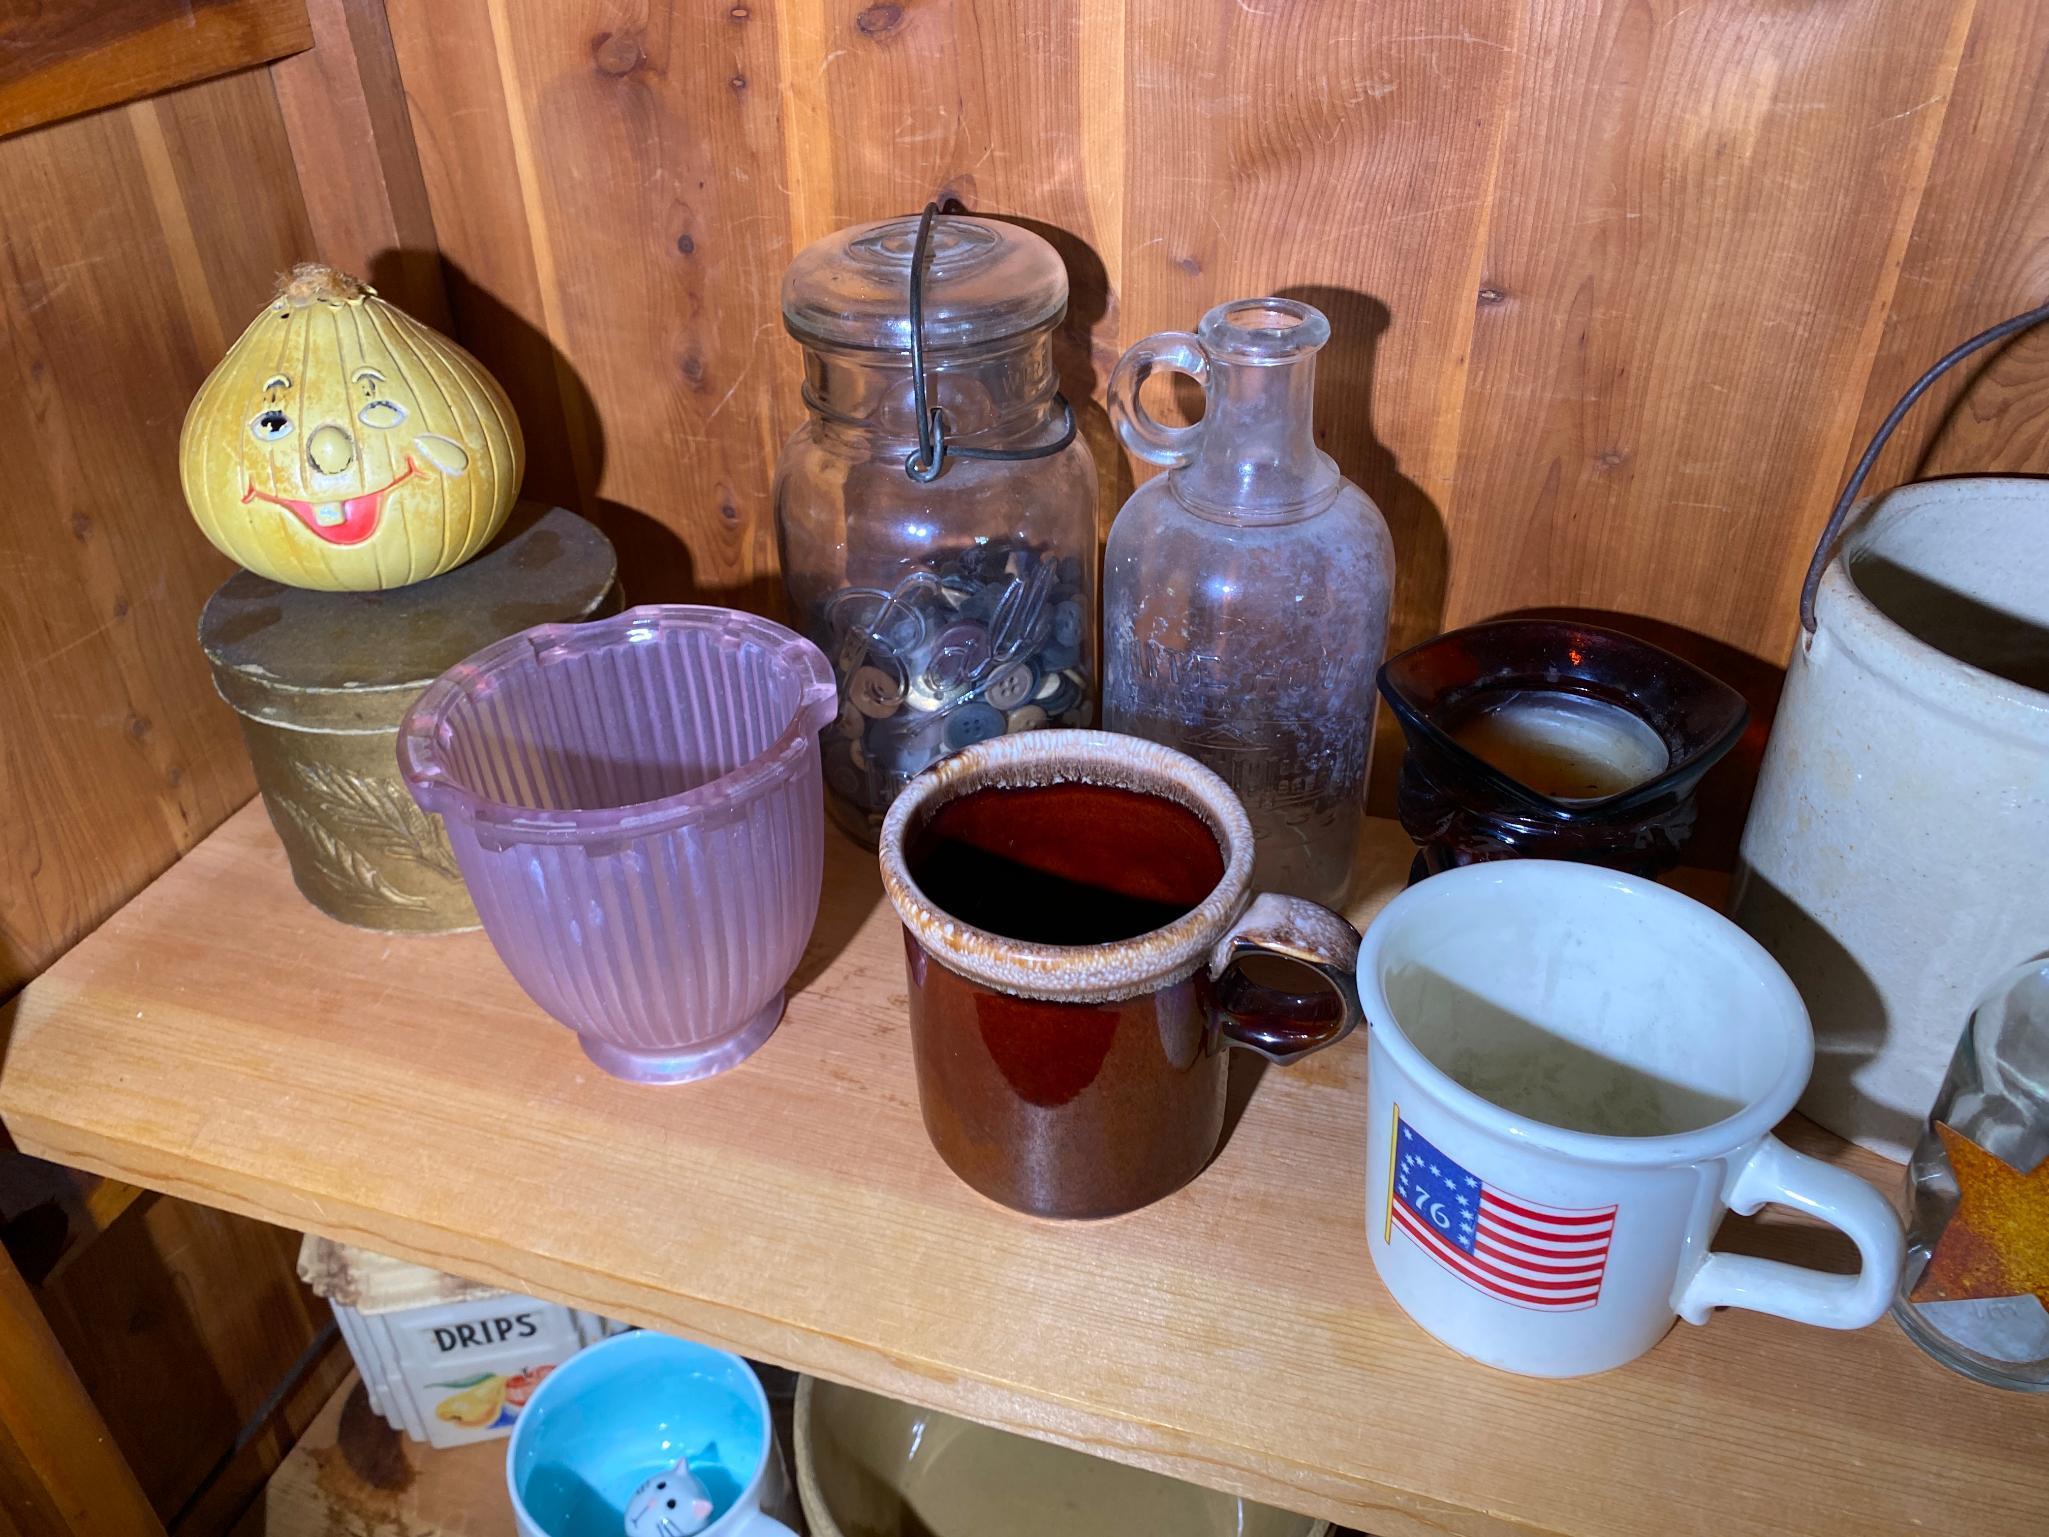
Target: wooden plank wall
x: 1617, y: 284
x: 135, y: 240
x: 1618, y: 289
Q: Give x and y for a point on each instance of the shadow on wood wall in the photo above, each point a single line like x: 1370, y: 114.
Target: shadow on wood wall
x: 1345, y: 380
x: 1083, y: 375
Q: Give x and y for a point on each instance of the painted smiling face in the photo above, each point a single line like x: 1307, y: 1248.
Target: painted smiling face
x: 342, y: 445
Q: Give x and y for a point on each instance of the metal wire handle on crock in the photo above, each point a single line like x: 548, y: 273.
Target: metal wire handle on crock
x: 1848, y: 499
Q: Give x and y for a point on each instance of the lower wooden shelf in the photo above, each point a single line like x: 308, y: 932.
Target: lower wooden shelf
x: 220, y: 1039
x: 351, y: 1474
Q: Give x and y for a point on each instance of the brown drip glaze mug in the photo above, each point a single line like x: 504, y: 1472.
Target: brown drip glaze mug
x: 1076, y: 906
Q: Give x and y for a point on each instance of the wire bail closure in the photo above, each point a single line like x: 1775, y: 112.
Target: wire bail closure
x: 927, y: 462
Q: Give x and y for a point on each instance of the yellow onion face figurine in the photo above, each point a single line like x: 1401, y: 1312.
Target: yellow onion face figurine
x: 343, y: 445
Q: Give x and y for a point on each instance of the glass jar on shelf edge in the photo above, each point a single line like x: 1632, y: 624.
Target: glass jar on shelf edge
x: 1974, y: 1292
x: 1247, y: 591
x: 949, y: 576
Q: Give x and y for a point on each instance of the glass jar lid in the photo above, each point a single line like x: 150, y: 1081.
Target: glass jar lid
x: 987, y: 281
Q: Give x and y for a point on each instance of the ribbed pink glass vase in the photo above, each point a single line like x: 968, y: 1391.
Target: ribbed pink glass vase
x: 636, y: 806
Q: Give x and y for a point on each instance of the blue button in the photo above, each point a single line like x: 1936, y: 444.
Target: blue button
x: 971, y: 723
x: 1067, y: 625
x: 1059, y: 655
x: 904, y: 744
x: 1064, y: 697
x: 980, y: 605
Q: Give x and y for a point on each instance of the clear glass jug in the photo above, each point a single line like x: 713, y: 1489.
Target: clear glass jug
x: 935, y: 513
x: 1974, y: 1292
x: 1246, y: 591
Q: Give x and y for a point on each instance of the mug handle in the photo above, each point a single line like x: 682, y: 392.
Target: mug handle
x: 1142, y: 434
x: 759, y: 1523
x: 1775, y: 1174
x: 1284, y: 1027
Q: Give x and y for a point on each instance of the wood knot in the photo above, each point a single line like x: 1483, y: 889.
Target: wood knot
x: 693, y: 370
x: 1610, y: 459
x: 738, y: 82
x: 685, y: 244
x: 739, y: 13
x: 616, y: 53
x: 1492, y: 295
x: 880, y: 20
x: 1190, y: 265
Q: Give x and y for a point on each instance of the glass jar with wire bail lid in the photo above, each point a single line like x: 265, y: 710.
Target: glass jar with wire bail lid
x: 936, y: 512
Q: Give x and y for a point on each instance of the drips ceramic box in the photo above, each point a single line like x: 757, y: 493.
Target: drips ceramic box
x: 444, y: 1360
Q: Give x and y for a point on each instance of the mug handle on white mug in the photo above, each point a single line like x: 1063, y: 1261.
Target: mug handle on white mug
x: 1283, y: 1027
x: 1774, y: 1174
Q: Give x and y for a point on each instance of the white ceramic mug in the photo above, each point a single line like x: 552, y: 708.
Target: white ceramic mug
x: 1573, y: 1074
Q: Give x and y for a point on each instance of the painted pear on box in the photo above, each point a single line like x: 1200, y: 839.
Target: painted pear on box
x: 342, y: 445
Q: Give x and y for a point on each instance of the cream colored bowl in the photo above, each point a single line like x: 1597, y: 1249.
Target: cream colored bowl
x: 872, y: 1467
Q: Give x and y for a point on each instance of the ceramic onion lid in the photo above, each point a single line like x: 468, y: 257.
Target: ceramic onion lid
x: 988, y: 280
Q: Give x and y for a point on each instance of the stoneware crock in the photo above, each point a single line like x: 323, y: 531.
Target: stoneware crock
x: 1896, y: 859
x: 869, y: 1466
x: 1086, y: 1080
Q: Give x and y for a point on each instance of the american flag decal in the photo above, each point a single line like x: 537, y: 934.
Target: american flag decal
x: 1533, y: 1256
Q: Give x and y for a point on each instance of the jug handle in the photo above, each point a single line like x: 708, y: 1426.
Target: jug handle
x: 1141, y: 432
x: 1833, y: 529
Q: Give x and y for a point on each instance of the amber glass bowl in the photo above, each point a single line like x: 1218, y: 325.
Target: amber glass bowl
x: 1462, y: 810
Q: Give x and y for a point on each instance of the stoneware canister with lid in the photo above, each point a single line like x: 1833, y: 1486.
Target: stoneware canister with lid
x: 322, y: 679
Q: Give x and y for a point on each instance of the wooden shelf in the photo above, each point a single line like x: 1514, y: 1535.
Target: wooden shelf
x: 222, y: 1040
